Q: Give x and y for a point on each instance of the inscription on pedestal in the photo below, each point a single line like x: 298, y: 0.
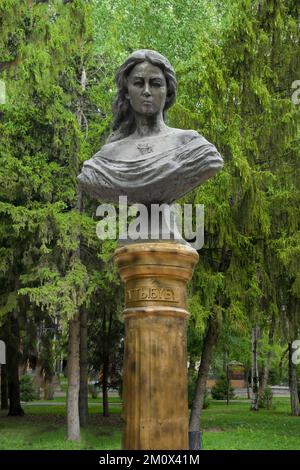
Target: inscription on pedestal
x: 165, y: 294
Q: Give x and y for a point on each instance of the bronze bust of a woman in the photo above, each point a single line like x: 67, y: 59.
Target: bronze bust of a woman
x: 143, y: 158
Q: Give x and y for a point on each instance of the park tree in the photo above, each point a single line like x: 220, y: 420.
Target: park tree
x: 281, y: 156
x: 44, y: 138
x: 106, y: 330
x: 252, y: 120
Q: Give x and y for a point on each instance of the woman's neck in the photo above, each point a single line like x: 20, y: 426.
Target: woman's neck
x: 148, y: 125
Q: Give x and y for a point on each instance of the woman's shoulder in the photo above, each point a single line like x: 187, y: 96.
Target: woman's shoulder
x: 184, y: 135
x: 110, y: 148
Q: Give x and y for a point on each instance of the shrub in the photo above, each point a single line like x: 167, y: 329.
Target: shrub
x: 27, y: 388
x: 265, y: 398
x: 221, y: 388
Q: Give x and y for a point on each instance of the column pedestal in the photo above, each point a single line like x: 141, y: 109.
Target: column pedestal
x: 155, y: 402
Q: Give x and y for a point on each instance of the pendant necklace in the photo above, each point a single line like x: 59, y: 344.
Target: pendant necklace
x: 144, y: 148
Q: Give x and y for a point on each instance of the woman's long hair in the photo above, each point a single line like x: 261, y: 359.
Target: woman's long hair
x: 124, y: 120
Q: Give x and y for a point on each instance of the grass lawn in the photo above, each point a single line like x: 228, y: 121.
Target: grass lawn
x: 90, y: 400
x: 44, y: 428
x: 234, y: 427
x: 224, y: 427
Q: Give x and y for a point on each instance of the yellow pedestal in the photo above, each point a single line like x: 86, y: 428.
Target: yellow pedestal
x: 155, y: 409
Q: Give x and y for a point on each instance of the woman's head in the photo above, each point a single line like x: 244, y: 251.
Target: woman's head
x: 124, y: 120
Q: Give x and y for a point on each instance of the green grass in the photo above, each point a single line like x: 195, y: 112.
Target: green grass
x: 224, y: 427
x: 235, y: 427
x: 91, y: 400
x: 37, y: 410
x: 48, y: 431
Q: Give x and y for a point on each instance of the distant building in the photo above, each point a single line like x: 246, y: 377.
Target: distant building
x: 236, y: 373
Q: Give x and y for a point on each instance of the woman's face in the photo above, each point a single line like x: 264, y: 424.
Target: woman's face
x: 147, y: 89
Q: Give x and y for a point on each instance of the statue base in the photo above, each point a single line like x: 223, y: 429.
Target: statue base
x: 155, y: 402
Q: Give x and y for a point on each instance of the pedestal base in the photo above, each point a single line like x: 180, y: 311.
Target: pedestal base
x: 155, y: 409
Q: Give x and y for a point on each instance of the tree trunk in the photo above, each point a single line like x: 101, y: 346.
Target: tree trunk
x: 106, y: 344
x: 83, y: 392
x: 281, y: 362
x: 82, y: 320
x: 210, y: 340
x: 228, y: 381
x: 105, y: 389
x: 38, y: 378
x: 247, y: 384
x: 73, y: 420
x: 4, y: 391
x: 265, y: 373
x: 266, y: 369
x: 295, y: 411
x: 224, y: 360
x: 48, y: 389
x: 73, y: 379
x: 13, y: 345
x: 255, y: 377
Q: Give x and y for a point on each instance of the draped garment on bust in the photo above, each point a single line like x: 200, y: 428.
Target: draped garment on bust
x: 160, y: 177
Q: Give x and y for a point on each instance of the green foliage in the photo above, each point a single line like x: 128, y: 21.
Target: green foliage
x: 27, y: 388
x: 222, y: 389
x: 265, y: 398
x: 50, y: 123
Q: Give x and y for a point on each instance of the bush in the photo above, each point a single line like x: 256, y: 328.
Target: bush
x: 192, y: 384
x: 221, y: 388
x: 27, y: 388
x: 265, y: 398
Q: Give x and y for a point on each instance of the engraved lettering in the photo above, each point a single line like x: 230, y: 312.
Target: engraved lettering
x: 154, y: 293
x: 169, y: 294
x: 161, y: 293
x: 144, y: 293
x: 165, y: 294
